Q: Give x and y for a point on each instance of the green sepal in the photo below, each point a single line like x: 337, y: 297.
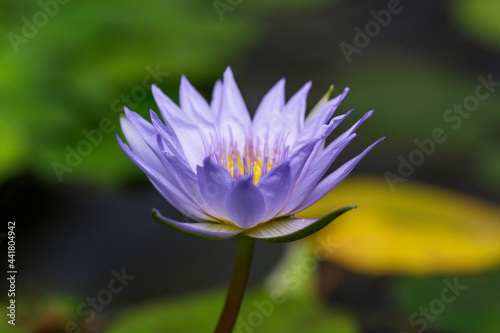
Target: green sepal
x: 203, y: 230
x: 326, y: 97
x: 292, y: 229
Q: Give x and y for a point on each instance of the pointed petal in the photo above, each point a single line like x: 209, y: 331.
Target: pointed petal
x: 204, y: 230
x: 232, y: 101
x: 215, y: 182
x: 269, y: 112
x: 322, y: 131
x: 325, y: 131
x: 314, y: 111
x: 327, y: 111
x: 321, y: 118
x: 299, y: 159
x: 275, y: 187
x: 186, y: 180
x: 295, y: 110
x: 141, y: 137
x: 332, y: 180
x: 193, y: 103
x: 354, y: 127
x: 233, y: 113
x: 168, y: 190
x: 185, y: 128
x: 245, y: 204
x: 216, y: 97
x: 292, y: 229
x: 184, y: 175
x: 314, y: 174
x: 168, y: 135
x: 168, y: 109
x: 336, y: 121
x: 322, y: 134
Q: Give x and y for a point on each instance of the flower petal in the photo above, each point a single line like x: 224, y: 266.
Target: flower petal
x: 314, y: 174
x: 232, y: 101
x: 168, y: 109
x: 314, y: 111
x: 205, y: 230
x: 323, y: 133
x: 333, y: 179
x: 322, y: 117
x: 295, y: 110
x: 168, y: 190
x: 187, y: 181
x: 216, y: 102
x: 268, y: 116
x: 299, y: 159
x: 168, y: 135
x: 275, y: 187
x: 215, y: 183
x: 245, y: 203
x: 138, y: 135
x: 353, y: 128
x: 233, y: 115
x: 327, y: 111
x: 186, y: 129
x: 194, y: 104
x: 292, y: 229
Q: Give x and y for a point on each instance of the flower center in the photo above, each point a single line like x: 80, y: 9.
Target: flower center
x: 257, y: 159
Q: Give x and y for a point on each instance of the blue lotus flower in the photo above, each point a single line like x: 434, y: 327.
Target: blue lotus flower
x: 231, y: 175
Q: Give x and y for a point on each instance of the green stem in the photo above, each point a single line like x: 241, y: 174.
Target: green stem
x: 242, y: 263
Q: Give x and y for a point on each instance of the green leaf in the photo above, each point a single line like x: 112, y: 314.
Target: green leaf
x: 471, y: 308
x: 260, y: 312
x: 478, y: 19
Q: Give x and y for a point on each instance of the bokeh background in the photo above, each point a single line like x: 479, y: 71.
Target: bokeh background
x: 82, y: 209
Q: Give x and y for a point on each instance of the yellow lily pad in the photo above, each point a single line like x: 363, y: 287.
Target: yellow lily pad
x: 415, y: 230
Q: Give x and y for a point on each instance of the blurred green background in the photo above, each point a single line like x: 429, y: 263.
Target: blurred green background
x: 67, y: 69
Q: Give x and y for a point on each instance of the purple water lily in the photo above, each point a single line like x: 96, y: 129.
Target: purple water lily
x: 231, y: 175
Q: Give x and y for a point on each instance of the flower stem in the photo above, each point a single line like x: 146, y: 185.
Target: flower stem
x: 242, y: 263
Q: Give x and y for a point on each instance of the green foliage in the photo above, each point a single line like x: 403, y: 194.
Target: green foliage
x: 478, y: 19
x: 71, y: 72
x: 199, y: 313
x: 37, y: 313
x: 411, y: 96
x: 475, y: 310
x: 65, y: 79
x: 291, y: 5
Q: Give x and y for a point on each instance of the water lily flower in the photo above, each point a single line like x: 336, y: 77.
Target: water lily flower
x: 231, y: 175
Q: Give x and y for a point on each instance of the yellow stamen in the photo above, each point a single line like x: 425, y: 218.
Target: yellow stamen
x: 257, y: 166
